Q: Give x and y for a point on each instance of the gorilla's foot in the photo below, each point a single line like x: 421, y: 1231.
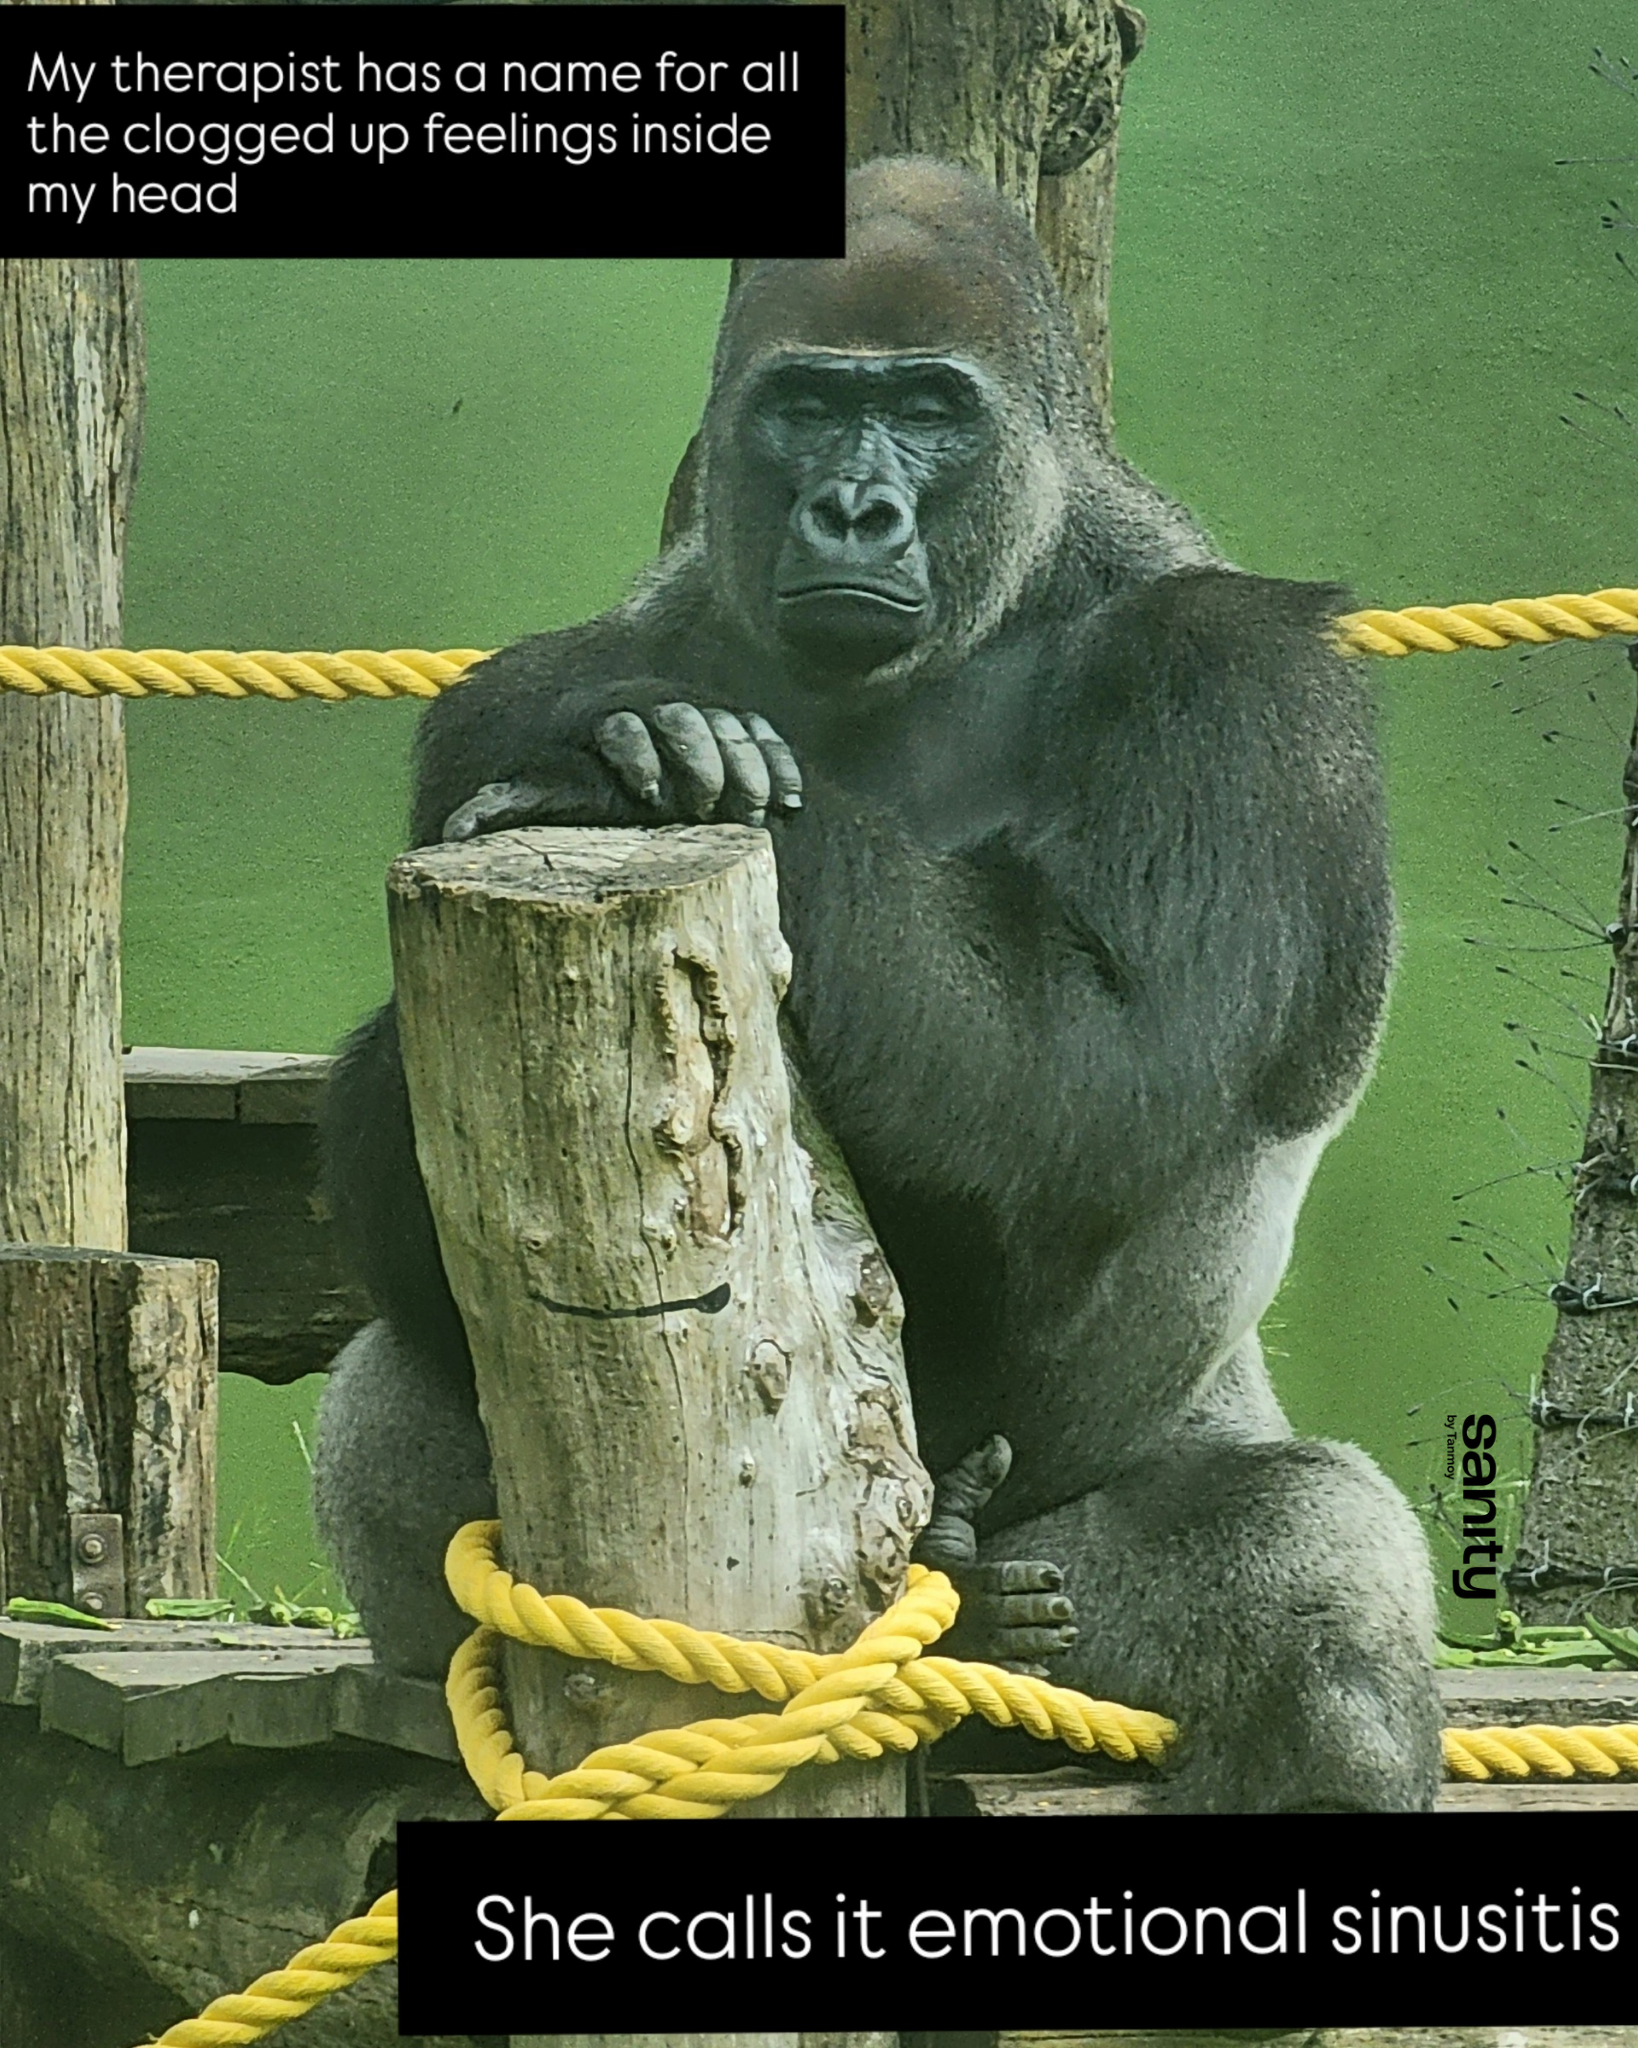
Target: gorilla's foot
x: 1274, y: 1599
x: 1014, y: 1611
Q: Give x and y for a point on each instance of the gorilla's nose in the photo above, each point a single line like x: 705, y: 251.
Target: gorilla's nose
x: 855, y: 522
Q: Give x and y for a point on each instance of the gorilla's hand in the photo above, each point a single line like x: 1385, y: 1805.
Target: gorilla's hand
x: 1013, y: 1613
x: 499, y: 807
x: 685, y: 764
x: 667, y: 764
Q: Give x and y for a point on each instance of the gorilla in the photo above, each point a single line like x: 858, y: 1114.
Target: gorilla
x: 1082, y: 862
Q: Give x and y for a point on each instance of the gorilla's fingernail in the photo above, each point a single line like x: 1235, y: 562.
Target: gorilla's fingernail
x: 791, y: 803
x: 756, y: 818
x: 650, y: 792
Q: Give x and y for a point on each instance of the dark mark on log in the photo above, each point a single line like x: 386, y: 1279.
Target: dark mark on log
x: 709, y: 1304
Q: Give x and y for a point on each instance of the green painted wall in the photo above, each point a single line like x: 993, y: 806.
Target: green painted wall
x: 1354, y: 295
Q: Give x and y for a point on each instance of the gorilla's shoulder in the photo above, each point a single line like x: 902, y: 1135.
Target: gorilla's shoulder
x: 1225, y: 633
x: 1225, y: 610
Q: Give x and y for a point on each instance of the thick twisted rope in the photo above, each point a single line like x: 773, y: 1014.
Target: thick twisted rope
x: 880, y: 1696
x: 164, y: 672
x: 413, y: 672
x: 1478, y: 1755
x: 1447, y: 629
x: 284, y: 1995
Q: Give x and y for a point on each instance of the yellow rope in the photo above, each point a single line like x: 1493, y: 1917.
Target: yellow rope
x: 1480, y: 1754
x: 1447, y: 629
x: 164, y: 672
x: 284, y: 1995
x: 881, y: 1695
x: 413, y: 672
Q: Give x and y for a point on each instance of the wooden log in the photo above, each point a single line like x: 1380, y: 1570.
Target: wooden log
x: 68, y: 449
x: 108, y: 1399
x: 140, y: 1895
x: 686, y: 1341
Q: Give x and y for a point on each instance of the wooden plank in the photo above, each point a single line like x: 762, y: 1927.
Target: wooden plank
x: 29, y: 1648
x: 1071, y: 1794
x: 407, y: 1714
x: 198, y: 1084
x: 141, y: 1706
x: 108, y: 1390
x: 1512, y: 1699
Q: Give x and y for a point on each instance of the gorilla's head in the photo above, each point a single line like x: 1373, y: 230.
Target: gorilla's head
x: 892, y: 439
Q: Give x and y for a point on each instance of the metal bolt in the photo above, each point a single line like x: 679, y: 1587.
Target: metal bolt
x: 93, y: 1548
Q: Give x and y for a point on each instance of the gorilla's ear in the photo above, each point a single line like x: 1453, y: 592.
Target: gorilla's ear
x: 1132, y: 28
x: 679, y: 500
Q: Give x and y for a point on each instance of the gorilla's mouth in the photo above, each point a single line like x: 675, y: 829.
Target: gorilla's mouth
x: 907, y: 604
x: 856, y: 626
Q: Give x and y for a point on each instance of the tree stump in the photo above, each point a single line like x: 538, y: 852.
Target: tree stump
x: 686, y: 1341
x: 107, y: 1428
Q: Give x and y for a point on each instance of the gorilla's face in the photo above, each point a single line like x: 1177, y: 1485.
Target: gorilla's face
x: 857, y: 461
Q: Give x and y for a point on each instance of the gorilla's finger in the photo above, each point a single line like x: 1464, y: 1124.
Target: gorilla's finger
x: 1033, y: 1610
x: 495, y: 808
x: 1029, y: 1645
x: 1018, y: 1575
x: 624, y: 743
x: 967, y: 1486
x: 783, y: 773
x: 746, y: 794
x: 692, y: 756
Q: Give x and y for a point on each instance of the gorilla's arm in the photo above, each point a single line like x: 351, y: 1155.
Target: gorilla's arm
x: 373, y: 1186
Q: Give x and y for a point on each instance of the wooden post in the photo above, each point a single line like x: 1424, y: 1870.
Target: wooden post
x: 108, y: 1402
x: 605, y: 1127
x: 107, y: 1363
x: 70, y: 417
x: 1027, y: 95
x: 604, y: 1123
x: 1579, y: 1542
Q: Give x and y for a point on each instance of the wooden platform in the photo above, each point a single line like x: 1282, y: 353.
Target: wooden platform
x: 149, y: 1690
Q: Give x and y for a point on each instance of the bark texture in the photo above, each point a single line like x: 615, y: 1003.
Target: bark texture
x: 107, y: 1405
x: 70, y: 412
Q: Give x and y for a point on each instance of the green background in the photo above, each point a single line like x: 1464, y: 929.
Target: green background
x: 1355, y: 292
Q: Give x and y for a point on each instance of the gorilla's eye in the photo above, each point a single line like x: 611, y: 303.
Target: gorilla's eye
x: 807, y: 408
x: 926, y: 409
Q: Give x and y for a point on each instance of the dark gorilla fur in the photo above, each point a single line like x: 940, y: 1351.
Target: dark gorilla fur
x: 1089, y: 906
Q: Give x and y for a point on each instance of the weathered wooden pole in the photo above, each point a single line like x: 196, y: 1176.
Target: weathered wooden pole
x: 1579, y: 1542
x: 686, y: 1341
x: 70, y: 423
x: 107, y: 1361
x: 1027, y: 95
